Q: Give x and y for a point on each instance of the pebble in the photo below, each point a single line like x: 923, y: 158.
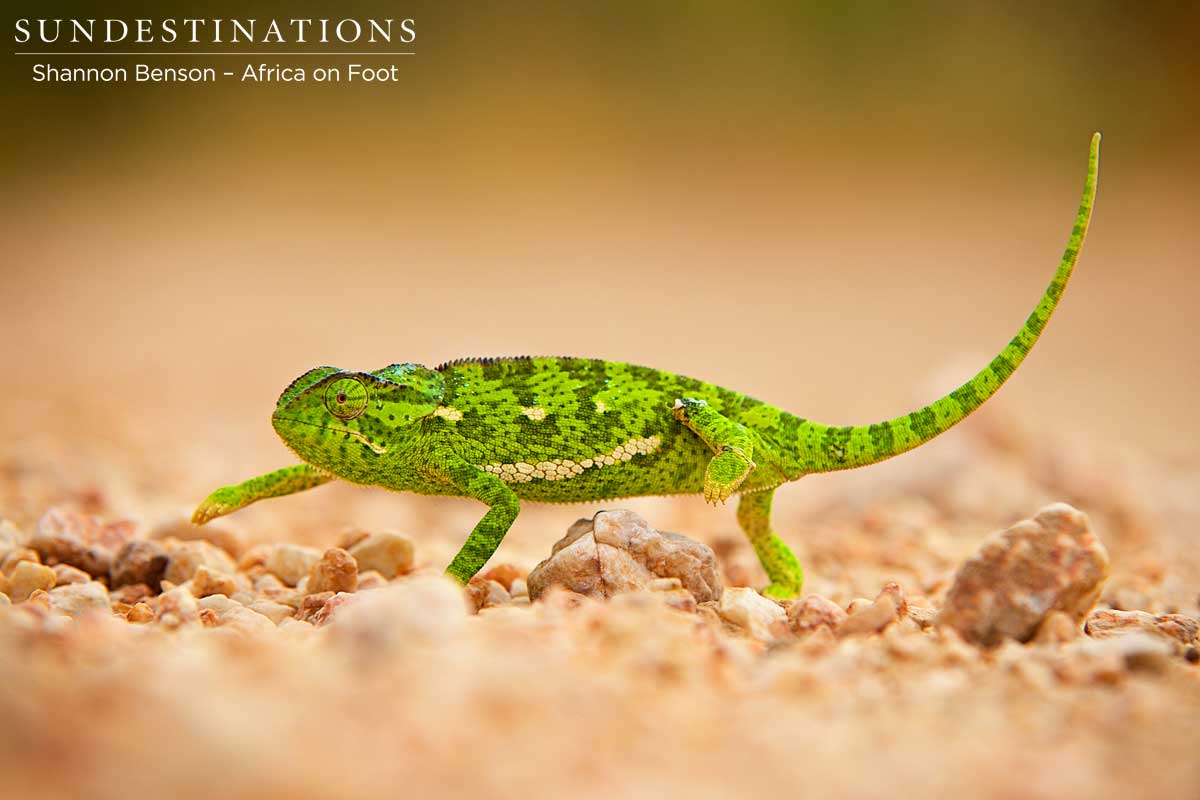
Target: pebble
x: 618, y: 551
x: 758, y: 616
x: 139, y: 561
x: 1176, y: 627
x: 65, y: 574
x: 207, y: 582
x: 140, y: 612
x: 883, y: 611
x: 77, y: 599
x: 184, y: 558
x: 28, y: 577
x: 276, y: 612
x: 387, y: 553
x: 336, y: 571
x: 371, y: 579
x: 245, y: 621
x: 15, y: 557
x: 61, y: 538
x: 486, y: 593
x: 219, y: 534
x: 1052, y: 562
x: 1057, y: 628
x: 291, y: 562
x: 420, y: 609
x: 504, y: 574
x: 813, y: 612
x: 176, y: 607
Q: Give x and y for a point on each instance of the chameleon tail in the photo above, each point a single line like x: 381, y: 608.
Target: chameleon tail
x: 835, y: 448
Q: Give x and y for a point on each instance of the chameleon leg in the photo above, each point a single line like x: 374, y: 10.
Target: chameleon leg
x: 228, y: 499
x: 489, y: 531
x: 754, y: 515
x: 729, y: 440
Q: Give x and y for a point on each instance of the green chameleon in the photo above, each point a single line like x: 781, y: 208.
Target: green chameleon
x: 563, y: 430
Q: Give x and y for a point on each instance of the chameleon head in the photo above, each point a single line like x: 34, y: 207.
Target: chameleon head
x: 346, y: 422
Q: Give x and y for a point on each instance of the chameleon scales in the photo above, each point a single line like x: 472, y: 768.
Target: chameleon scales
x: 504, y: 430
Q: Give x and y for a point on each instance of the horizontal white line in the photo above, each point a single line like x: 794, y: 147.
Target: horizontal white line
x: 103, y: 53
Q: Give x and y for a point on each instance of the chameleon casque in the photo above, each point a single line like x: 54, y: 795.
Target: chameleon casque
x: 565, y: 430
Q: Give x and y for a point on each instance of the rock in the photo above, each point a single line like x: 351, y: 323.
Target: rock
x: 371, y: 579
x: 206, y: 582
x: 759, y: 616
x: 139, y: 561
x: 617, y: 551
x: 217, y: 534
x: 5, y: 600
x: 184, y: 558
x: 883, y: 611
x: 218, y: 603
x: 420, y: 609
x: 504, y: 574
x: 77, y: 599
x: 813, y: 612
x: 330, y: 608
x: 487, y: 593
x: 389, y: 554
x: 177, y: 607
x: 1057, y: 628
x: 139, y: 612
x: 276, y: 612
x: 1134, y: 650
x: 310, y: 605
x: 1176, y: 627
x: 336, y: 571
x: 65, y: 574
x: 1052, y: 562
x: 291, y: 562
x: 245, y: 621
x: 62, y: 538
x: 519, y: 588
x: 872, y: 616
x: 131, y: 593
x: 15, y: 557
x: 10, y: 538
x: 27, y: 577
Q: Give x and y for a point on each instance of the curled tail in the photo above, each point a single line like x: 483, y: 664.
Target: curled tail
x: 834, y: 448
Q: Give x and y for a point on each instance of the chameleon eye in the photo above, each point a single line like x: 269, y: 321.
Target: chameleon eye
x: 346, y: 398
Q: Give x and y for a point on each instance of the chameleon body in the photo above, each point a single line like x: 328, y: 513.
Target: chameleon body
x: 565, y: 430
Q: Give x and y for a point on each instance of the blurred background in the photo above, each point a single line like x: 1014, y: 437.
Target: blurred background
x: 879, y: 193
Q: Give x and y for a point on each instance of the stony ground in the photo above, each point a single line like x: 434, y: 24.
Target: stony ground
x: 944, y: 647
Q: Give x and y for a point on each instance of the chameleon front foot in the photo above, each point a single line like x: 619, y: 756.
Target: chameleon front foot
x: 725, y: 474
x: 223, y: 501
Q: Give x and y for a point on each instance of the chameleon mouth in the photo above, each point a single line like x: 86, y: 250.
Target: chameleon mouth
x: 375, y: 448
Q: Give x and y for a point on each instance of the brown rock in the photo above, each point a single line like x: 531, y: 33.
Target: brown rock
x: 131, y: 593
x: 77, y: 599
x: 1052, y: 562
x: 139, y: 561
x: 813, y: 612
x: 206, y: 582
x: 184, y: 558
x: 139, y: 612
x: 62, y: 537
x: 28, y: 577
x: 617, y: 551
x: 15, y: 557
x: 336, y: 571
x: 291, y: 562
x: 331, y: 608
x: 311, y: 604
x: 1177, y: 627
x: 387, y: 553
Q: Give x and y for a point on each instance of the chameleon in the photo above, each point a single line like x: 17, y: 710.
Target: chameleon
x: 562, y: 430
